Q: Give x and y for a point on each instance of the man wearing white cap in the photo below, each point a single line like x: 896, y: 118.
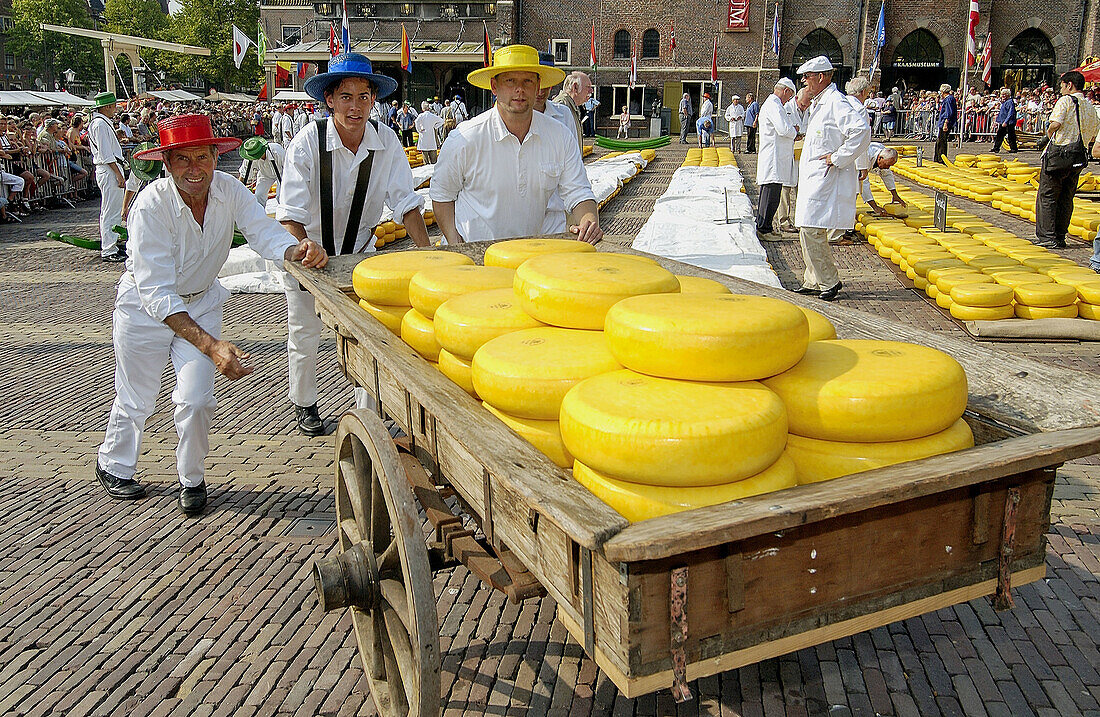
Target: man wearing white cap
x: 775, y: 166
x: 735, y: 117
x: 835, y: 136
x: 796, y: 110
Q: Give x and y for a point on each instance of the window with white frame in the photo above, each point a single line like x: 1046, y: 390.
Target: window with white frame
x: 563, y: 52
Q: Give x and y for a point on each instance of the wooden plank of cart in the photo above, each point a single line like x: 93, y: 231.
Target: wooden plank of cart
x: 668, y: 600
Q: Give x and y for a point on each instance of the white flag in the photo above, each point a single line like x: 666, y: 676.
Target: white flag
x: 240, y: 44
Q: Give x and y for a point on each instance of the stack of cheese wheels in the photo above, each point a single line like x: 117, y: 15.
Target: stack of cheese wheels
x: 687, y: 423
x: 857, y: 405
x: 1043, y: 300
x: 576, y: 290
x: 981, y: 301
x: 1088, y: 292
x: 526, y: 374
x: 382, y: 282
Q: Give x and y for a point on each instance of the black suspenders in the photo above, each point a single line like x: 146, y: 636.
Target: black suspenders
x: 358, y: 198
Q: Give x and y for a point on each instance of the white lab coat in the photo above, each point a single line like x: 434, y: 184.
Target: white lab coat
x: 735, y: 115
x: 775, y: 164
x: 826, y: 194
x: 798, y: 119
x: 861, y: 109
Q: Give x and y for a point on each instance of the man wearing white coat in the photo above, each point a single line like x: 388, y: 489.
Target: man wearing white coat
x: 880, y: 158
x: 775, y: 166
x: 836, y: 135
x: 796, y: 109
x: 735, y: 117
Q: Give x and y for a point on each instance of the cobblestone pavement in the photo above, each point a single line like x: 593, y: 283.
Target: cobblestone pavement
x: 109, y: 608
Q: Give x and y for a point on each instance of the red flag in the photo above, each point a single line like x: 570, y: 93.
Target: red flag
x: 486, y: 50
x: 263, y: 93
x: 406, y: 51
x: 592, y: 48
x: 333, y: 45
x: 971, y: 35
x: 714, y: 62
x: 987, y: 60
x: 302, y: 70
x: 671, y: 36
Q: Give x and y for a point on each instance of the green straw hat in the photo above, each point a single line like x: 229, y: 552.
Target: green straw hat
x: 105, y: 98
x: 145, y: 169
x: 253, y: 148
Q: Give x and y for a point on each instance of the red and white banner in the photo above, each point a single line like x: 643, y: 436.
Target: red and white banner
x: 987, y: 60
x: 972, y: 34
x: 738, y: 18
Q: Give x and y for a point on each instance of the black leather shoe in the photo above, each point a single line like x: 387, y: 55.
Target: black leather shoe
x: 807, y: 291
x: 119, y: 488
x: 831, y: 293
x: 1051, y: 244
x: 192, y: 501
x: 309, y: 421
x: 114, y: 257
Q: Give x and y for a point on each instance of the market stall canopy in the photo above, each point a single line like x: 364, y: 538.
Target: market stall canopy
x: 65, y: 98
x: 292, y: 96
x: 24, y: 99
x: 175, y: 96
x: 216, y: 96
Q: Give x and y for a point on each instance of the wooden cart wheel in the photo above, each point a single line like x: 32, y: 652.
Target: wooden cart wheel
x: 382, y: 571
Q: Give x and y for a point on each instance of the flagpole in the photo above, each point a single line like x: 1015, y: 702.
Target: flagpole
x: 763, y: 46
x: 964, y: 83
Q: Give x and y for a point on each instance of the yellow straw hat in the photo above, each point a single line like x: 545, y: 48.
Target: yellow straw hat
x: 516, y: 58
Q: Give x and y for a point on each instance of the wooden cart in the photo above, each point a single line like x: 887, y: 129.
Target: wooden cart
x: 672, y: 599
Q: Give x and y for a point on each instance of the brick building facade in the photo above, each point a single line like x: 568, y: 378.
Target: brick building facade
x: 924, y: 46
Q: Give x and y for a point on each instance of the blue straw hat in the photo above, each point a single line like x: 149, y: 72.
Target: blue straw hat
x: 349, y: 64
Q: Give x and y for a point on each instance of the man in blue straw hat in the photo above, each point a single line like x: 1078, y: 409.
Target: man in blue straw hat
x: 338, y: 173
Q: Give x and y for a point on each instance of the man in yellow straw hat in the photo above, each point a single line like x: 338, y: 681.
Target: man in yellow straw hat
x: 497, y: 171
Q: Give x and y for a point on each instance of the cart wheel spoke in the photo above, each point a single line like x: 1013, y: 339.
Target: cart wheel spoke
x: 382, y: 572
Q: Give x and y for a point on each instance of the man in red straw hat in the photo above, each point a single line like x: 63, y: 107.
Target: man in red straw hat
x: 169, y: 302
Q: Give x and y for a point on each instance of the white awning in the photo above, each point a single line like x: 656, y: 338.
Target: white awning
x: 175, y: 96
x: 216, y: 96
x: 65, y: 98
x: 19, y: 98
x: 292, y: 96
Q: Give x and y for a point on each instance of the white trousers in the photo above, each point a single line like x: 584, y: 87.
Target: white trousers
x: 787, y: 199
x: 143, y: 347
x: 821, y: 272
x: 110, y: 208
x: 303, y: 336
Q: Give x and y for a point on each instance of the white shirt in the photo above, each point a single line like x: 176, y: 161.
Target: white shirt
x: 301, y: 117
x: 264, y: 170
x: 391, y: 183
x: 826, y: 194
x: 171, y: 256
x: 775, y: 163
x: 104, y: 141
x: 887, y: 175
x: 706, y: 109
x: 861, y: 109
x: 426, y: 124
x: 286, y: 131
x: 501, y: 187
x: 460, y: 111
x: 564, y: 115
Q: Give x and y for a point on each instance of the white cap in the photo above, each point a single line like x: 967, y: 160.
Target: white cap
x: 818, y: 64
x: 786, y: 82
x: 735, y: 97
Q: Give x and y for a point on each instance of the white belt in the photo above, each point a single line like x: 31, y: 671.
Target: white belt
x: 192, y: 298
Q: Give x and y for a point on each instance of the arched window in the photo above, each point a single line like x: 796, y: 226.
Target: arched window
x: 1028, y: 60
x: 818, y: 42
x: 651, y: 43
x: 919, y: 49
x: 622, y: 45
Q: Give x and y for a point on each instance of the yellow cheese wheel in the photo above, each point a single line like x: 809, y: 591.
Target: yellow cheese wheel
x: 943, y: 300
x: 1064, y: 269
x: 817, y: 460
x: 418, y: 331
x: 384, y: 278
x: 920, y: 282
x: 934, y: 274
x: 458, y: 370
x: 1018, y: 278
x: 1045, y: 295
x: 661, y: 431
x: 985, y: 262
x: 464, y: 323
x: 390, y: 316
x: 981, y: 313
x: 1046, y: 261
x: 576, y: 290
x: 981, y: 295
x: 821, y: 329
x: 699, y: 285
x: 923, y: 266
x: 543, y: 435
x: 1024, y: 311
x: 637, y: 502
x: 429, y: 288
x: 948, y: 282
x: 1088, y: 311
x: 706, y: 337
x: 513, y: 252
x: 527, y: 373
x: 1089, y: 290
x: 868, y: 391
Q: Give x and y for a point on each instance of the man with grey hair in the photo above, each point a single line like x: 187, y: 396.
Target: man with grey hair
x: 796, y: 109
x: 1006, y: 122
x: 775, y: 166
x: 881, y: 158
x: 575, y: 91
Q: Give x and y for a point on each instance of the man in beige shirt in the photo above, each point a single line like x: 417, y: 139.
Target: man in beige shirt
x: 1073, y: 118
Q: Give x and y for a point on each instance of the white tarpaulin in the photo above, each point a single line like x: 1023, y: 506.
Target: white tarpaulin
x: 19, y: 98
x: 65, y: 98
x: 175, y: 96
x: 292, y: 96
x: 689, y: 224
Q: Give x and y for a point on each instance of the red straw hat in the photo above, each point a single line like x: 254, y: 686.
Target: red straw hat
x: 187, y: 131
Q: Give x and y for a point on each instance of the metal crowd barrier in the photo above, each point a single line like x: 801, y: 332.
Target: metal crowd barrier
x: 55, y: 164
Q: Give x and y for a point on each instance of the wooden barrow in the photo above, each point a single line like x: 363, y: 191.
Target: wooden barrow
x: 665, y: 601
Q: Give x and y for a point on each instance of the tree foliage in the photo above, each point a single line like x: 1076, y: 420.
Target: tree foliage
x: 52, y: 51
x: 209, y: 23
x: 140, y: 18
